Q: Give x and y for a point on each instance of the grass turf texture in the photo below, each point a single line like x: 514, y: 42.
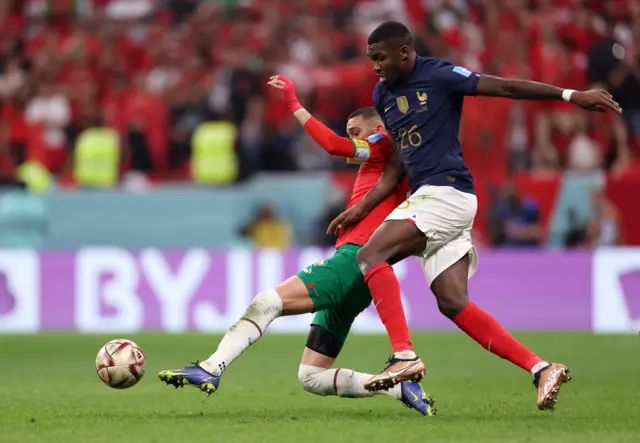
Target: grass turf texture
x: 49, y: 392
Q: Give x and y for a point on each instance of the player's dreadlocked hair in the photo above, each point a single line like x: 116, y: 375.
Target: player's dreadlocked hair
x: 369, y: 113
x: 390, y: 31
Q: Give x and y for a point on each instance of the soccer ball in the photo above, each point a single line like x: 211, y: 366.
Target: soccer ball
x: 120, y: 363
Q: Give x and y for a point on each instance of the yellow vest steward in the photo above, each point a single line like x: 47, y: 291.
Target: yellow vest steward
x: 214, y: 159
x: 97, y: 158
x: 35, y: 176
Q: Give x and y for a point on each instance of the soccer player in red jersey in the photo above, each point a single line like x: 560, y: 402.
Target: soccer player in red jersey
x: 420, y: 101
x: 333, y: 288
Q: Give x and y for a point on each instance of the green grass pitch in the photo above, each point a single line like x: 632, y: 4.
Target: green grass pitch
x: 49, y: 392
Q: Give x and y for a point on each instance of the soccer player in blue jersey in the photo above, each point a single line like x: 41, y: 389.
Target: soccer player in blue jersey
x: 420, y: 100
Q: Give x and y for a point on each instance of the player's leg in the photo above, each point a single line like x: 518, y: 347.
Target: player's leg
x: 397, y: 238
x: 450, y: 289
x: 393, y: 241
x: 338, y: 290
x: 316, y: 374
x: 289, y: 298
x: 310, y: 290
x: 328, y: 332
x: 447, y: 269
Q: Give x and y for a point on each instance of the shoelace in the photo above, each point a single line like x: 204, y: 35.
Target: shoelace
x: 389, y: 362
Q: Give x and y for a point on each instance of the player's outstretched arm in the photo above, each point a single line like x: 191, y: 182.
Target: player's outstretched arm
x: 387, y: 183
x: 322, y: 135
x: 593, y: 100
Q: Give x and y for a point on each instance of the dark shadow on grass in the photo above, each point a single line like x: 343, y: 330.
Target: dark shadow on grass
x: 314, y: 415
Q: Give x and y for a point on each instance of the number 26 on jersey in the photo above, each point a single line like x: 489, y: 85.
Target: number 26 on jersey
x: 409, y: 137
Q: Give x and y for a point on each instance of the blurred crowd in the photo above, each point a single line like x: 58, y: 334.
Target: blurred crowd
x: 156, y: 69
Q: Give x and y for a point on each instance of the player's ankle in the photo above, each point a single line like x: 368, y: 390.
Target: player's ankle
x: 405, y: 355
x: 539, y: 367
x: 211, y: 367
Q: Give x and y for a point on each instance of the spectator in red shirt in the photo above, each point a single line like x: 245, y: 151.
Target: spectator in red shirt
x: 51, y: 110
x: 129, y: 55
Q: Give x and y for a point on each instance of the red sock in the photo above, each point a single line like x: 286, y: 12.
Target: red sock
x: 385, y: 291
x: 483, y: 328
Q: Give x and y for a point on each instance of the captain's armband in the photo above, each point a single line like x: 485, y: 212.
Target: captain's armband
x: 362, y: 152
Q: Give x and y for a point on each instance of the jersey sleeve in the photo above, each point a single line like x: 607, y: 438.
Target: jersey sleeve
x: 456, y: 80
x: 329, y: 140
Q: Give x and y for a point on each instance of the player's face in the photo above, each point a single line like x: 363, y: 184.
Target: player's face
x: 359, y: 128
x: 389, y: 60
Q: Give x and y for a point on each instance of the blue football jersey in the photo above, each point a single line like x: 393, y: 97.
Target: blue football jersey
x: 423, y: 113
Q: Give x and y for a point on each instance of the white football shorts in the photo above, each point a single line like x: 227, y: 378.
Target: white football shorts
x: 445, y: 215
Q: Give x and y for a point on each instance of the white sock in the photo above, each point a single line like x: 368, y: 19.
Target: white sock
x: 539, y: 366
x: 265, y: 307
x: 345, y: 383
x: 405, y: 355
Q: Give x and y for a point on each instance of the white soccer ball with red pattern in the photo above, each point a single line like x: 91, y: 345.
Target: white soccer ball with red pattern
x: 120, y: 363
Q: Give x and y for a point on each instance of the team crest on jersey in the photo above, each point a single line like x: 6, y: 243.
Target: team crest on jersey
x: 422, y: 98
x: 403, y: 104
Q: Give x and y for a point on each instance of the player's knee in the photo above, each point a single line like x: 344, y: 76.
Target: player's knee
x: 312, y: 379
x: 451, y: 293
x: 367, y: 258
x: 362, y: 259
x: 450, y: 307
x: 265, y: 303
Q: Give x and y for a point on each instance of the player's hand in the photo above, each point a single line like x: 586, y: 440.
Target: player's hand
x: 275, y: 82
x: 288, y: 89
x: 348, y: 218
x: 284, y: 83
x: 597, y: 100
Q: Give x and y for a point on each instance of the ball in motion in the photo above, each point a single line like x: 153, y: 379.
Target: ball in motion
x: 120, y: 363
